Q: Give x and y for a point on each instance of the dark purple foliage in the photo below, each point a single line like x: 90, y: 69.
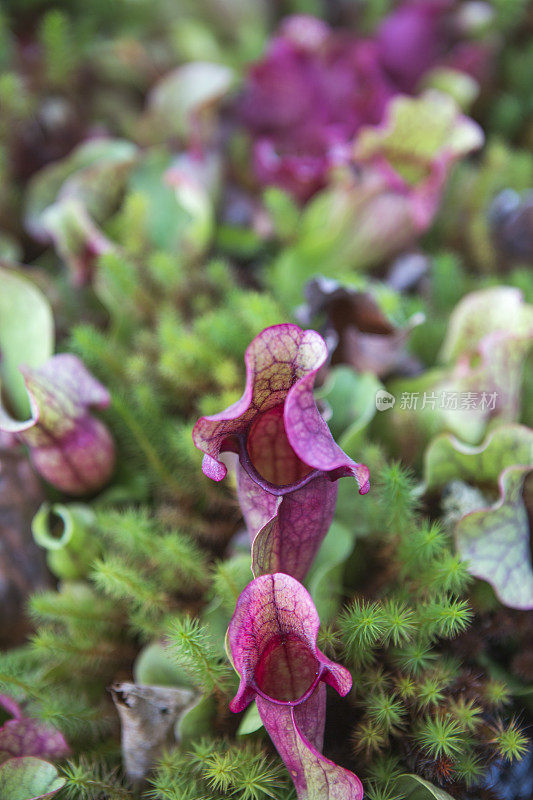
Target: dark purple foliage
x: 315, y: 87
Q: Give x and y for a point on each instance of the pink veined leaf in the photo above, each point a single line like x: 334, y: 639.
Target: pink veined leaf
x: 69, y: 447
x: 414, y: 148
x: 272, y: 639
x: 494, y: 539
x: 495, y: 542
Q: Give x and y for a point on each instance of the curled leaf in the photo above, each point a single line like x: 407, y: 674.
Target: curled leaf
x: 77, y: 239
x: 272, y: 636
x: 297, y: 735
x: 447, y: 458
x: 415, y: 147
x: 489, y: 335
x: 493, y: 540
x: 413, y: 787
x: 71, y: 545
x: 276, y: 425
x: 26, y: 334
x: 69, y: 200
x: 90, y: 173
x: 481, y: 314
x: 182, y: 102
x: 29, y: 778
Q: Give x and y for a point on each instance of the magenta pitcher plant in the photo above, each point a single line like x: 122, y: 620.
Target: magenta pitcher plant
x: 288, y: 460
x: 272, y: 639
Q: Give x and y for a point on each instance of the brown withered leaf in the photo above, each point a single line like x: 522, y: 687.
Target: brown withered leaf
x: 357, y: 331
x: 22, y: 563
x: 148, y: 715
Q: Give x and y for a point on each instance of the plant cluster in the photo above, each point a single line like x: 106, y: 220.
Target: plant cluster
x: 184, y: 183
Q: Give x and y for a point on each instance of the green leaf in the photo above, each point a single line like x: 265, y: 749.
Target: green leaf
x: 352, y: 399
x: 10, y: 249
x: 365, y: 406
x: 283, y: 211
x: 240, y: 242
x: 478, y: 314
x: 198, y: 720
x: 154, y: 667
x: 179, y: 100
x: 412, y: 787
x: 178, y: 195
x: 93, y: 168
x: 250, y: 722
x: 166, y: 219
x: 408, y: 426
x: 419, y: 130
x: 495, y: 542
x: 67, y: 533
x: 29, y: 778
x: 324, y: 581
x: 462, y: 87
x: 448, y: 459
x: 26, y: 334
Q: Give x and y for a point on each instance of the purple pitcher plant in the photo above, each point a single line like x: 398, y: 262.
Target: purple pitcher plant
x: 272, y: 642
x: 288, y: 461
x: 69, y: 447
